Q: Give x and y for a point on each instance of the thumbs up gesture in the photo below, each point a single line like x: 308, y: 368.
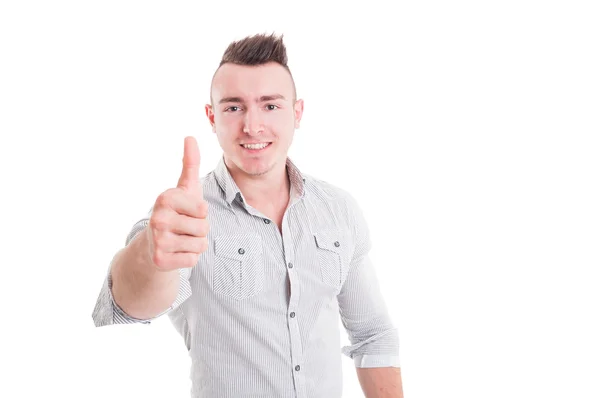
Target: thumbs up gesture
x: 178, y: 227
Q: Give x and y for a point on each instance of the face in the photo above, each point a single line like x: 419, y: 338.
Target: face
x: 254, y: 115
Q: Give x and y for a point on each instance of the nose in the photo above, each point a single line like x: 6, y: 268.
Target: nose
x: 253, y: 122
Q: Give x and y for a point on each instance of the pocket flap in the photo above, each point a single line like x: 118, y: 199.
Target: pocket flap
x: 238, y: 247
x: 330, y: 240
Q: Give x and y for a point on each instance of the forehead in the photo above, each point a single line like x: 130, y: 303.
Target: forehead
x: 251, y: 81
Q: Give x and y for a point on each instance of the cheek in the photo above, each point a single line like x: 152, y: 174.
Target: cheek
x: 284, y: 121
x: 227, y: 126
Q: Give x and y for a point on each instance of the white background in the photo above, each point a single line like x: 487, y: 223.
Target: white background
x: 467, y: 131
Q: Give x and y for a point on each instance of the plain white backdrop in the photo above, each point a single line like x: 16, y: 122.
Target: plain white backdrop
x: 468, y: 132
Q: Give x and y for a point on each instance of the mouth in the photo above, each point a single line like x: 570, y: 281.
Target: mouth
x: 256, y: 148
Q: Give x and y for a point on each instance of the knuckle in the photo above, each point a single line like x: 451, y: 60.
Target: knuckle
x: 164, y: 199
x: 205, y: 228
x: 203, y: 245
x: 198, y: 244
x: 203, y: 208
x: 161, y: 242
x: 198, y: 228
x: 158, y: 259
x: 158, y: 223
x: 191, y: 260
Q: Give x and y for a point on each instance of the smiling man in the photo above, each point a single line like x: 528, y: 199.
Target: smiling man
x: 256, y: 263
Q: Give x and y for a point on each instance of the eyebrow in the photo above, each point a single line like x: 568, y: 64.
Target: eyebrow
x: 261, y: 99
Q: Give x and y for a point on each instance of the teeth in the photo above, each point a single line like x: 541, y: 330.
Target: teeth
x: 255, y: 146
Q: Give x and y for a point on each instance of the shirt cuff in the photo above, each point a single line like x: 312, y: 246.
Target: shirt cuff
x: 184, y: 292
x: 108, y: 312
x: 377, y: 361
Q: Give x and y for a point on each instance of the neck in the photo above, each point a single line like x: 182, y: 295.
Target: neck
x: 271, y: 188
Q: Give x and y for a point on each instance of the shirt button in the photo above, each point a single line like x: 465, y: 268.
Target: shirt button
x: 336, y: 243
x: 297, y: 367
x: 241, y: 251
x: 267, y: 221
x: 292, y: 315
x: 290, y: 265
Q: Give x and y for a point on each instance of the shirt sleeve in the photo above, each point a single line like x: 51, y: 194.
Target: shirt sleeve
x: 373, y: 337
x: 107, y: 311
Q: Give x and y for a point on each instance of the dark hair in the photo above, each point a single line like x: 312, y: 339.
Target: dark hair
x: 257, y: 50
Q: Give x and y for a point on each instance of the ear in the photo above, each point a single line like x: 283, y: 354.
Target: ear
x: 211, y: 116
x: 298, y: 111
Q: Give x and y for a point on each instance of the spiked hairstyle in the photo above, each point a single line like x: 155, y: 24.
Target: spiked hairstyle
x: 258, y: 50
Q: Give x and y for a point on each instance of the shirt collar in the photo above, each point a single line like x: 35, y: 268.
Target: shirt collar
x: 231, y: 190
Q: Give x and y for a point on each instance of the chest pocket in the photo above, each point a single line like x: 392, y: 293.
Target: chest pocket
x: 238, y: 270
x: 333, y: 255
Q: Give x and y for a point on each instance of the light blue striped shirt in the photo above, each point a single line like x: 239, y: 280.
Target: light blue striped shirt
x: 260, y: 312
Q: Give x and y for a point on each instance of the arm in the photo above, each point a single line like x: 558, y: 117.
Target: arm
x: 380, y: 382
x: 138, y: 287
x: 150, y: 276
x: 374, y: 339
x: 129, y: 292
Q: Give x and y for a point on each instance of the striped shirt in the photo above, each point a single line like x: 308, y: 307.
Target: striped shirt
x: 260, y: 312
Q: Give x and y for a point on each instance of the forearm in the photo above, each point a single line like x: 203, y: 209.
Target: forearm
x: 138, y: 287
x: 380, y: 382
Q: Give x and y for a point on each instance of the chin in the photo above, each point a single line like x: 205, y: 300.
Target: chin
x: 257, y: 170
x: 255, y: 167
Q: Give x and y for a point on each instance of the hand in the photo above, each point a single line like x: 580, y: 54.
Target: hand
x: 178, y: 227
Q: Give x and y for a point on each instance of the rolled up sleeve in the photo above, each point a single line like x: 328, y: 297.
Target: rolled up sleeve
x: 373, y: 337
x: 107, y: 311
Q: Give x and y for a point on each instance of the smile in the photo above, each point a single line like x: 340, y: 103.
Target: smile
x: 256, y: 147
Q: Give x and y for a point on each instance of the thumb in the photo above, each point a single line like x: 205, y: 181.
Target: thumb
x: 190, y: 173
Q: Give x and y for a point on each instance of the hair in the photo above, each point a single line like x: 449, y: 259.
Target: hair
x: 257, y: 50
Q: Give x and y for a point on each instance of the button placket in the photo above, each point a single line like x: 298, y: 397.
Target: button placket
x: 292, y: 324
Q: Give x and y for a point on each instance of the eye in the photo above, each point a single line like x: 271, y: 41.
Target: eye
x: 232, y: 109
x: 272, y: 107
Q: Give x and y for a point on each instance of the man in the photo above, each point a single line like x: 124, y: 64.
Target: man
x: 256, y: 262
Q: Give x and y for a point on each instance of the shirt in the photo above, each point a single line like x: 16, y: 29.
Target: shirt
x: 260, y: 312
